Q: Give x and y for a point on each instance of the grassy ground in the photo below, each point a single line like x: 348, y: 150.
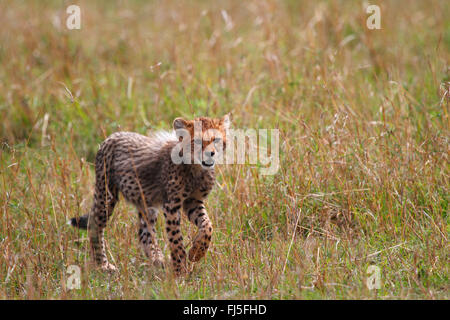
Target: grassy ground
x: 364, y: 132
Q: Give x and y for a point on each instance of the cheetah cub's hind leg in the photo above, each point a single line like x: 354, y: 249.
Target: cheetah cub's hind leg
x: 101, y: 212
x: 105, y: 198
x: 147, y: 236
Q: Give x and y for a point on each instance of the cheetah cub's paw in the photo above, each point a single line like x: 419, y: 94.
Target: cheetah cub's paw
x: 108, y: 267
x: 195, y: 254
x: 157, y: 260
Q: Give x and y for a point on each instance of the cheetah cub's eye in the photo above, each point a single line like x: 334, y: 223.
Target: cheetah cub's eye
x: 217, y: 141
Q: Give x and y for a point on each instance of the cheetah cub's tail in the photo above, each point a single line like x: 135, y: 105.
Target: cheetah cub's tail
x: 79, y: 222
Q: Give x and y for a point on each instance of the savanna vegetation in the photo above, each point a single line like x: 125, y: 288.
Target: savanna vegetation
x: 364, y: 144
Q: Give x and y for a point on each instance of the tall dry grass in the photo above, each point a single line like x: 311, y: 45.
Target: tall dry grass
x: 363, y: 119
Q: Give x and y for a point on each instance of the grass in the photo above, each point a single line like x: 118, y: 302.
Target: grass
x: 364, y: 144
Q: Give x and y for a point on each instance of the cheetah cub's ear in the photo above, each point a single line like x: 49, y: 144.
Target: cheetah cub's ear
x: 179, y: 123
x: 226, y: 121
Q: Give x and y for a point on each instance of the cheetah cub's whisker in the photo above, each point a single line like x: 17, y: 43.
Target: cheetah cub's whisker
x: 143, y: 169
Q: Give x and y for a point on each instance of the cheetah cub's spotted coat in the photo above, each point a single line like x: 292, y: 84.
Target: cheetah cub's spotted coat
x: 141, y: 168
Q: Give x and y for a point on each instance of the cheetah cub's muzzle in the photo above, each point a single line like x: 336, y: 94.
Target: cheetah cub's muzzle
x: 212, y: 147
x: 208, y: 161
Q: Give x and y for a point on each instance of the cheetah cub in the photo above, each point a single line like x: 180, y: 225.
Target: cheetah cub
x: 173, y: 171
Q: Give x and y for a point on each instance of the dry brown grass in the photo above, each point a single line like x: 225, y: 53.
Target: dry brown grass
x: 364, y: 126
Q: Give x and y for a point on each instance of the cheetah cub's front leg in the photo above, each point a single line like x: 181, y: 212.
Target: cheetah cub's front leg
x: 196, y: 213
x: 172, y: 214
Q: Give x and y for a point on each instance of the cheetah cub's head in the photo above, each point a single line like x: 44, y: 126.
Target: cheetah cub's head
x: 204, y: 137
